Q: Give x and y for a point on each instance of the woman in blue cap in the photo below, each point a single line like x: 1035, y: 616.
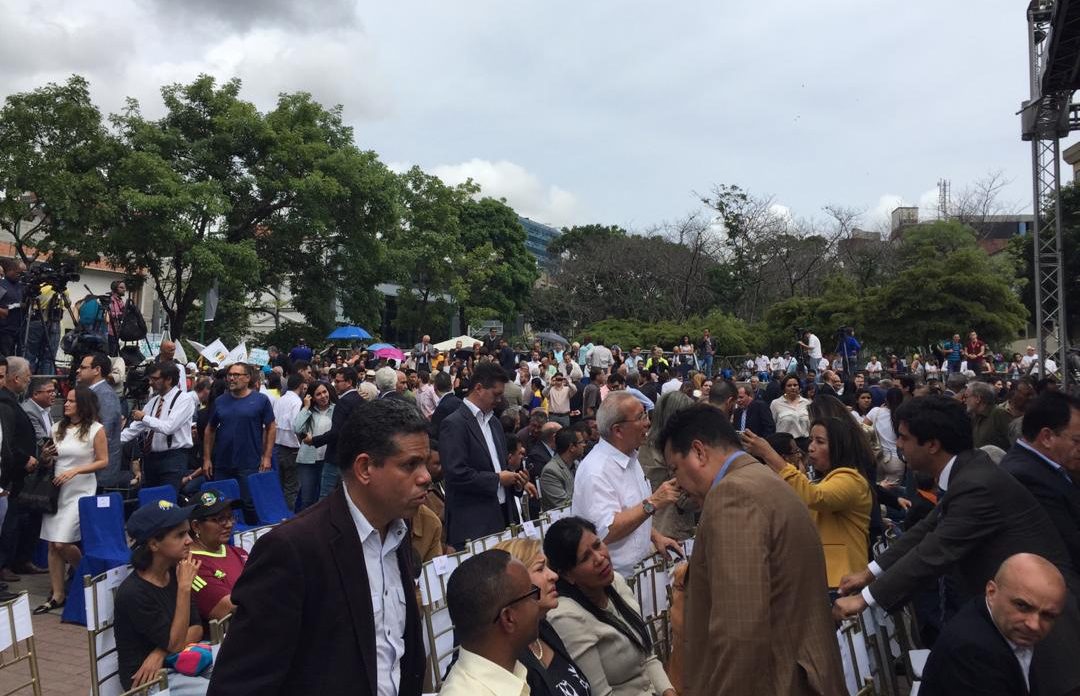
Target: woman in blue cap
x: 155, y: 614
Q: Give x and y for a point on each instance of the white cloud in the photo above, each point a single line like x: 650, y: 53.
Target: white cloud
x: 882, y: 211
x: 523, y: 191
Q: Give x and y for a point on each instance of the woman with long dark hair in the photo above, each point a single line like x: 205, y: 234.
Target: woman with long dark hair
x: 317, y: 476
x: 790, y: 411
x: 598, y: 618
x: 81, y: 449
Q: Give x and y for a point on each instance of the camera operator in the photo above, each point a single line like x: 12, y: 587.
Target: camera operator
x: 810, y: 350
x: 848, y: 347
x: 46, y: 298
x: 166, y: 423
x: 115, y: 311
x: 11, y: 311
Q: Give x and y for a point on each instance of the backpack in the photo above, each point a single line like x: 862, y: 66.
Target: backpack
x: 90, y: 313
x: 132, y: 325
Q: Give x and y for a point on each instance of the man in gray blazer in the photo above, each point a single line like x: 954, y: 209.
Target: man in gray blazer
x: 93, y: 369
x: 557, y: 477
x: 38, y: 407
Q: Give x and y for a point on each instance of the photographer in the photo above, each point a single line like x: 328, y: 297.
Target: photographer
x: 848, y: 347
x: 810, y: 350
x: 117, y: 290
x: 11, y: 311
x: 46, y: 298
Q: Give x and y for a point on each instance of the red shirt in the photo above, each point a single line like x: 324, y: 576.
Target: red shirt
x: 976, y: 348
x: 217, y: 575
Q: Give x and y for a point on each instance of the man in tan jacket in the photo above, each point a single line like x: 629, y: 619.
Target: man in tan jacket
x: 757, y: 613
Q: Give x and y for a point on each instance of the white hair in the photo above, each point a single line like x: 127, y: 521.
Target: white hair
x: 18, y: 366
x: 611, y: 411
x: 386, y: 379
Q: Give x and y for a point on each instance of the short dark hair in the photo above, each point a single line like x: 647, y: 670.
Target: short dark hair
x: 372, y: 427
x: 442, y: 382
x: 703, y: 422
x: 477, y: 587
x: 38, y: 383
x: 561, y: 542
x: 615, y: 378
x: 722, y: 390
x: 938, y: 418
x: 295, y: 380
x: 565, y: 439
x: 487, y: 375
x: 1050, y: 409
x: 101, y: 362
x: 298, y: 365
x: 348, y: 374
x: 169, y: 371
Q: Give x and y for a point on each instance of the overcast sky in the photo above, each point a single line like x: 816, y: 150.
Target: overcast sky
x: 609, y: 112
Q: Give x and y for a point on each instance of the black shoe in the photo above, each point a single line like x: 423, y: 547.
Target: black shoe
x: 7, y: 596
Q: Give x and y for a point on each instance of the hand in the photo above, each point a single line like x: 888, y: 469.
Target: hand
x: 666, y: 494
x: 531, y: 491
x: 848, y: 607
x: 307, y: 401
x: 664, y: 544
x: 755, y: 445
x: 905, y: 504
x: 48, y: 451
x: 63, y: 478
x: 137, y: 415
x: 853, y: 583
x: 186, y: 570
x: 508, y: 478
x: 148, y: 670
x: 265, y: 465
x: 208, y: 469
x: 307, y: 439
x: 31, y: 463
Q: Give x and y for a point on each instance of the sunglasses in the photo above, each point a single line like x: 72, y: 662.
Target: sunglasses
x: 533, y: 594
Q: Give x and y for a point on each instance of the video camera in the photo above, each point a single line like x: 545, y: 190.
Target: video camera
x: 57, y: 276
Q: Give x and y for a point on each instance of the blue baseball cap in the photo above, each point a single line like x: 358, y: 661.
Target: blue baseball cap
x: 155, y: 516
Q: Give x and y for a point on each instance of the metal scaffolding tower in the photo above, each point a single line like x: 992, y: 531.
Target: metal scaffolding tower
x: 1054, y: 55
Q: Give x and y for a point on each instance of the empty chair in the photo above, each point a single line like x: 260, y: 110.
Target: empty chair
x: 269, y: 500
x: 165, y: 492
x: 230, y: 488
x: 104, y: 546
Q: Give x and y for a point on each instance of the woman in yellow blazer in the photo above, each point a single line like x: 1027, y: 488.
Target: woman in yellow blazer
x: 841, y: 502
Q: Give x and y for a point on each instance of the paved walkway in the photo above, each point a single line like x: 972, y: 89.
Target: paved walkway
x: 63, y: 655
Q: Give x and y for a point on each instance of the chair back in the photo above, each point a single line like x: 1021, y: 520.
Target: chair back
x: 438, y: 641
x: 149, y: 495
x: 17, y: 646
x: 218, y: 629
x: 267, y: 497
x: 246, y: 538
x: 230, y: 488
x: 100, y: 593
x: 157, y: 685
x: 101, y: 519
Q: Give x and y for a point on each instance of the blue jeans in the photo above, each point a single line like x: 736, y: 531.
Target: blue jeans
x: 330, y: 477
x: 241, y: 477
x: 41, y: 345
x: 161, y: 468
x: 706, y: 366
x: 310, y: 476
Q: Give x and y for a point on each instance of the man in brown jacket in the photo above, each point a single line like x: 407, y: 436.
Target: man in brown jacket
x: 757, y: 615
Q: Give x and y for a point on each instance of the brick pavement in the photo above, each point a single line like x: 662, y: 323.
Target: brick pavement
x: 63, y: 657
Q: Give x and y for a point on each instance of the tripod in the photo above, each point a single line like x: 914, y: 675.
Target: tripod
x: 41, y: 328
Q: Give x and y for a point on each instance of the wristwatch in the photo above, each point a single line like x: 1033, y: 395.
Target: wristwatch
x: 648, y: 507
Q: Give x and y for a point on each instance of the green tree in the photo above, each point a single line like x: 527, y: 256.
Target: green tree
x: 55, y: 155
x: 945, y: 284
x: 497, y: 272
x: 580, y: 237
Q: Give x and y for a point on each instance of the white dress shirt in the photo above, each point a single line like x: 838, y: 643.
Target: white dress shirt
x: 875, y: 569
x: 473, y: 675
x: 46, y: 415
x: 387, y: 594
x: 286, y: 409
x: 177, y: 411
x: 608, y: 482
x: 484, y: 419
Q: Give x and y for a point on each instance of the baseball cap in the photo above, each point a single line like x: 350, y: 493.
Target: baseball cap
x: 211, y: 502
x: 154, y: 517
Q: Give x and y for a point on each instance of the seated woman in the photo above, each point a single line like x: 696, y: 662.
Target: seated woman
x: 552, y: 672
x: 840, y: 502
x: 155, y: 616
x: 598, y: 618
x: 211, y: 526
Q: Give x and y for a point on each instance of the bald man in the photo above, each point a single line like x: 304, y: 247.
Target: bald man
x: 167, y: 353
x: 989, y: 646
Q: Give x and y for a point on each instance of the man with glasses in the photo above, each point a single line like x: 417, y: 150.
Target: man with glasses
x: 93, y: 370
x: 166, y: 425
x: 557, y: 476
x: 487, y: 662
x: 611, y: 490
x: 39, y: 406
x: 240, y: 433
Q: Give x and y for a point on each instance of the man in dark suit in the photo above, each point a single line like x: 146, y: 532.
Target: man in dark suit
x: 983, y: 516
x: 472, y: 448
x: 1043, y: 459
x: 447, y: 403
x: 752, y: 414
x: 18, y: 457
x: 326, y: 603
x: 348, y: 400
x: 990, y: 645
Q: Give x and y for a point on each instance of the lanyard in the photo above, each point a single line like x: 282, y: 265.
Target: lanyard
x: 727, y: 465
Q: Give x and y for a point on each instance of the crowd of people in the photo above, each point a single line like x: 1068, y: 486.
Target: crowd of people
x: 785, y: 478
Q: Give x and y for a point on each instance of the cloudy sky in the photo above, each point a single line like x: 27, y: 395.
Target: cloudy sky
x: 610, y: 112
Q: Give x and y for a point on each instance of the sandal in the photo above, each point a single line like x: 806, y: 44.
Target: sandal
x: 49, y: 605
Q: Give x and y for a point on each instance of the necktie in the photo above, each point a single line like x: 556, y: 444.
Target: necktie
x: 160, y: 405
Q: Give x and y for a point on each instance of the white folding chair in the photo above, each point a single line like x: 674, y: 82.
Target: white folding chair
x: 100, y: 612
x: 436, y: 573
x: 17, y: 642
x: 855, y: 657
x: 159, y: 685
x: 247, y: 538
x: 438, y: 641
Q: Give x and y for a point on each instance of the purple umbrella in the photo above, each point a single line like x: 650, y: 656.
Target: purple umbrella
x: 391, y: 353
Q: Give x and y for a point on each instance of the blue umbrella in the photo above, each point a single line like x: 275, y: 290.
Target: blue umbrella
x: 378, y: 346
x: 355, y: 333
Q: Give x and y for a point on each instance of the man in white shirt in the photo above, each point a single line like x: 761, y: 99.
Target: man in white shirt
x: 166, y: 453
x: 1029, y: 357
x: 286, y: 409
x: 874, y: 367
x: 671, y: 385
x: 811, y: 346
x: 610, y: 489
x: 600, y: 356
x: 495, y: 610
x: 989, y: 645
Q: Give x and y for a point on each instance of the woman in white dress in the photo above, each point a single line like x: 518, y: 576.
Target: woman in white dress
x: 81, y: 450
x: 791, y: 411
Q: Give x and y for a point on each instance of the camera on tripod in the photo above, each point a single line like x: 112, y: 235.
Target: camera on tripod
x: 57, y: 276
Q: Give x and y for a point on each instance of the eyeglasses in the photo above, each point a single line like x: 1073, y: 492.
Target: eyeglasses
x: 534, y: 594
x: 236, y: 375
x: 223, y: 520
x: 643, y: 416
